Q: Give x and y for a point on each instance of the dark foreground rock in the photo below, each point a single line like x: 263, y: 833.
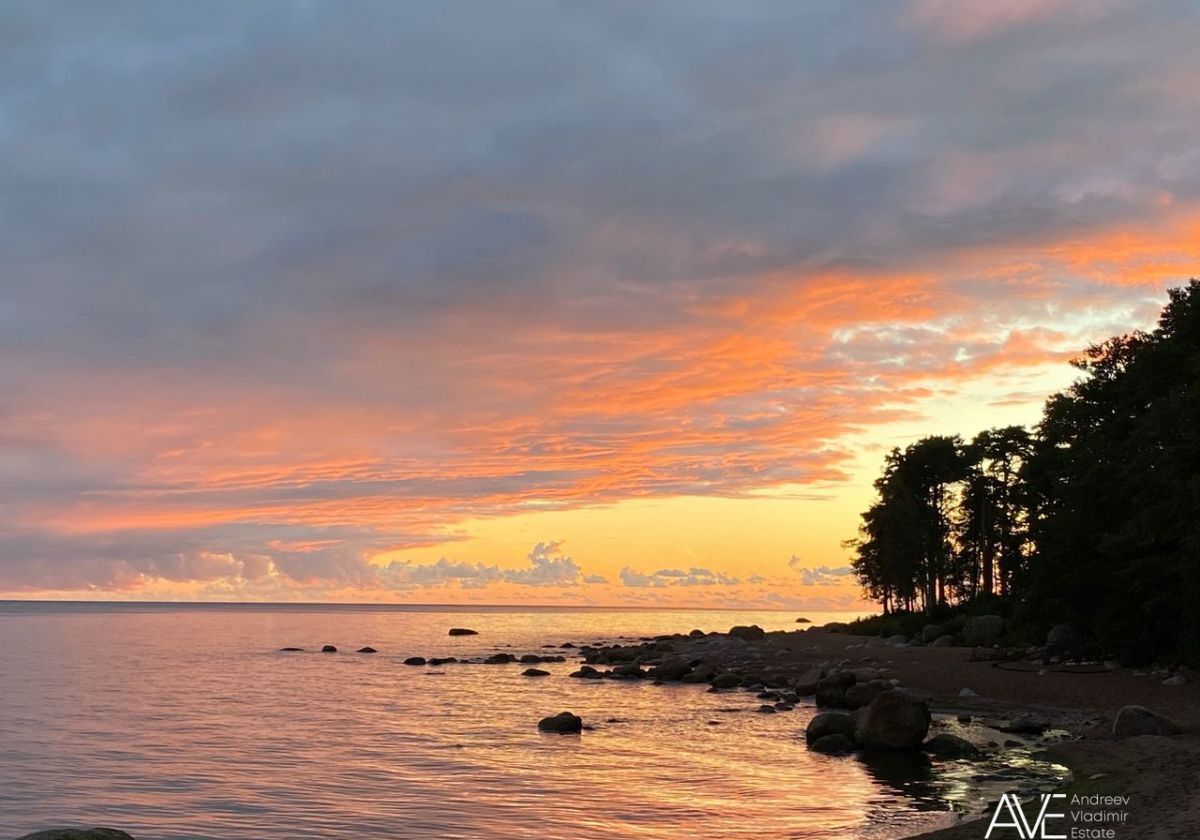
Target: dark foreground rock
x: 415, y: 660
x: 291, y: 650
x: 367, y: 649
x: 561, y: 722
x: 828, y: 723
x: 534, y: 672
x: 1138, y: 720
x: 463, y: 631
x: 950, y: 746
x: 78, y: 834
x: 750, y: 634
x: 329, y: 649
x: 893, y: 721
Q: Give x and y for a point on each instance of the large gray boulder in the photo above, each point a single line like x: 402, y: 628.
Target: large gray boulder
x: 893, y: 721
x: 828, y: 723
x: 78, y: 834
x: 983, y: 631
x: 670, y: 669
x: 943, y: 641
x: 932, y: 631
x: 1138, y: 720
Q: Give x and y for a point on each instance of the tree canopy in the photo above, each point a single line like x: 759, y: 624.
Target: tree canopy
x: 1092, y: 517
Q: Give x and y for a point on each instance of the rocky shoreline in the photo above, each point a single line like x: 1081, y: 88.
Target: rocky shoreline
x: 1121, y: 731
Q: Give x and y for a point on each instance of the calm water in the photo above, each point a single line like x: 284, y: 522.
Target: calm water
x: 184, y: 722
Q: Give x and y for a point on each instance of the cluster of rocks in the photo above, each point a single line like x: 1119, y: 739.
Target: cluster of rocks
x: 326, y: 649
x: 893, y: 720
x: 78, y: 834
x: 493, y: 659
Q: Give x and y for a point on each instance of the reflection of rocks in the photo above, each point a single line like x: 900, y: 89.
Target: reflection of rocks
x: 833, y: 745
x: 909, y: 772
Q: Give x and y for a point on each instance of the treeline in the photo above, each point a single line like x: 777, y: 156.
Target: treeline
x: 1091, y: 518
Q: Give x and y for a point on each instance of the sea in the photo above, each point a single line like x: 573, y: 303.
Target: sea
x: 186, y: 721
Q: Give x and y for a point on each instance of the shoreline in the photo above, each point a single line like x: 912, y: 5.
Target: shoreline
x: 1074, y: 709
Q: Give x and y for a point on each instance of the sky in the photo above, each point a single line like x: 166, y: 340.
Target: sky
x: 609, y: 303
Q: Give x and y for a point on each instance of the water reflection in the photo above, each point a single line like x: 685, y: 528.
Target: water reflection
x: 190, y: 724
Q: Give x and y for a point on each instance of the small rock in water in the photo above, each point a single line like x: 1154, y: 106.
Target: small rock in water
x: 415, y: 660
x: 367, y: 649
x: 78, y: 834
x: 562, y: 722
x: 329, y: 649
x: 290, y: 650
x: 966, y: 692
x: 463, y: 631
x: 950, y: 746
x: 726, y: 680
x: 535, y: 672
x: 767, y: 710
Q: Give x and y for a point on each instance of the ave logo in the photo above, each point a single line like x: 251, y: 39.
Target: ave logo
x: 1010, y: 814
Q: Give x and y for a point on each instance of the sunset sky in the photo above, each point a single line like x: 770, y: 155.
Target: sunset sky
x: 595, y: 303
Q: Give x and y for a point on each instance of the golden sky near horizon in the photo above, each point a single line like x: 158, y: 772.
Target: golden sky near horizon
x: 622, y: 305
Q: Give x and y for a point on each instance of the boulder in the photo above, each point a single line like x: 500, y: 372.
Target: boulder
x: 463, y: 631
x: 833, y: 745
x: 806, y: 684
x: 671, y: 668
x: 831, y: 690
x: 950, y: 746
x: 328, y: 649
x: 983, y: 631
x: 1138, y: 720
x: 415, y: 660
x: 767, y: 709
x: 290, y: 650
x: 931, y: 632
x: 442, y: 660
x: 893, y: 721
x: 78, y: 834
x: 562, y: 722
x: 500, y: 659
x: 726, y: 680
x: 835, y: 627
x: 803, y: 621
x: 701, y: 674
x: 587, y: 672
x: 828, y: 723
x: 896, y: 641
x: 1063, y: 639
x: 535, y: 672
x: 1175, y: 679
x: 861, y: 694
x: 367, y: 649
x: 865, y: 674
x: 943, y: 641
x: 630, y: 670
x: 750, y: 634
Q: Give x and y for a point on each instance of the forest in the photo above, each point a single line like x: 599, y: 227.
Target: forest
x: 1090, y: 518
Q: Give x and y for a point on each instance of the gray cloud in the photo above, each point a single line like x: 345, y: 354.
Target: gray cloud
x: 405, y: 240
x: 695, y: 576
